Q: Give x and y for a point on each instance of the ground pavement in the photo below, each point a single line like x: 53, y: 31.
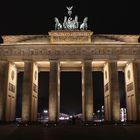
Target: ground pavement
x: 70, y: 132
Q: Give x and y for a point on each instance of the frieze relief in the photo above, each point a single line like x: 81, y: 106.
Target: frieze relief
x: 70, y: 39
x: 130, y: 87
x: 69, y: 52
x: 106, y: 87
x: 73, y: 33
x: 35, y: 88
x: 12, y: 87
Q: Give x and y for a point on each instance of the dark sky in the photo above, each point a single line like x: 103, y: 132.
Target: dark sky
x: 37, y: 16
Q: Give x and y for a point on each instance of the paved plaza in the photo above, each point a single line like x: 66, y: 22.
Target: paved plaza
x: 70, y: 132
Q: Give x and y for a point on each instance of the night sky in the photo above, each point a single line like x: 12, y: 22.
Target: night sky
x: 37, y: 17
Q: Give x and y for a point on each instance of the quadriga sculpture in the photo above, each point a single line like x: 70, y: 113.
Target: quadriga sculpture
x: 58, y: 25
x: 84, y: 25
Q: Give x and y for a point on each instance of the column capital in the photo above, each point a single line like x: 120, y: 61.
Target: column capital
x: 111, y: 61
x: 54, y: 60
x: 86, y: 61
x: 138, y: 61
x: 28, y: 61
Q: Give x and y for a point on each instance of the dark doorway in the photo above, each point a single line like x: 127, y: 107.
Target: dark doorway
x: 122, y: 89
x: 98, y: 90
x: 43, y: 91
x: 19, y: 94
x: 1, y: 40
x: 70, y: 93
x: 139, y: 40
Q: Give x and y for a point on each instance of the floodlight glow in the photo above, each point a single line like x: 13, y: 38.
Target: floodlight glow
x: 45, y: 111
x: 61, y: 118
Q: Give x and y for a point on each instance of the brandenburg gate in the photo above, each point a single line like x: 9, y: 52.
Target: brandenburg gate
x: 69, y: 48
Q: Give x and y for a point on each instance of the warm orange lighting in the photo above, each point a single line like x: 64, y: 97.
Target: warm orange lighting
x: 122, y: 63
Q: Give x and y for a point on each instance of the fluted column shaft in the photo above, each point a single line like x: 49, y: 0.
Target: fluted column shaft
x: 87, y: 91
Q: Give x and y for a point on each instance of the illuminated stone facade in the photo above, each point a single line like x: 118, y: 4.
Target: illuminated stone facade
x: 34, y: 53
x: 70, y: 37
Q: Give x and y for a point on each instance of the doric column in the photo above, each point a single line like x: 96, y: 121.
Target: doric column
x: 132, y: 84
x: 111, y: 92
x: 30, y: 92
x: 87, y: 91
x: 3, y: 87
x: 137, y: 78
x: 8, y: 82
x: 54, y: 91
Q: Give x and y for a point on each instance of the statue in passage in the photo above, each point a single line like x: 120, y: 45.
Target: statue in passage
x: 84, y: 25
x: 58, y: 25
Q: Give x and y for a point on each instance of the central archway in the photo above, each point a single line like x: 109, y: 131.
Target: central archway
x: 70, y: 93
